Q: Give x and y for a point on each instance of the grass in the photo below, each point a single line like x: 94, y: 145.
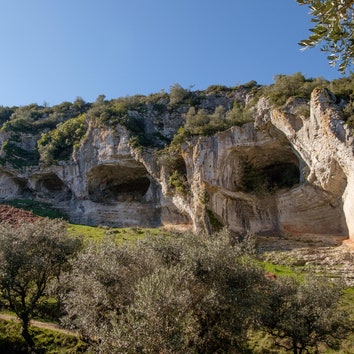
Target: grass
x: 96, y: 234
x: 89, y: 233
x: 280, y: 270
x: 53, y: 342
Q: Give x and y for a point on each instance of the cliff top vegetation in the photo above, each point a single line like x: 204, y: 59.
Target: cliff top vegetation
x: 36, y: 134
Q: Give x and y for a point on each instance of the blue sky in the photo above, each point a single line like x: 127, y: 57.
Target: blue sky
x: 57, y: 50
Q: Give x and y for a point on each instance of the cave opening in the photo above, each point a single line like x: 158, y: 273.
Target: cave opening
x: 138, y: 186
x: 114, y: 184
x: 52, y: 186
x: 270, y: 178
x: 11, y: 186
x: 282, y: 175
x: 52, y: 183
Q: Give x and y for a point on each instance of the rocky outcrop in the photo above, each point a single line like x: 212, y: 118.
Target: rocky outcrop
x: 284, y: 173
x: 326, y: 146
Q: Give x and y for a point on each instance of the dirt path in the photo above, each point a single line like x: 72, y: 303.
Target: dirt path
x: 39, y: 324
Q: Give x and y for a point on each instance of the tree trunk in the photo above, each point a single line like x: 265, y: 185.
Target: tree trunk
x: 25, y: 332
x: 295, y: 348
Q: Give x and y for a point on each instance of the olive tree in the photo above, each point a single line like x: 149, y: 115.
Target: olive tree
x: 161, y: 319
x: 31, y: 256
x: 100, y: 286
x: 179, y: 294
x: 300, y: 316
x: 334, y: 26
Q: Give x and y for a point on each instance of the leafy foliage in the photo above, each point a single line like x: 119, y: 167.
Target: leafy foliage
x: 194, y: 294
x: 34, y: 118
x: 58, y: 143
x: 24, y: 123
x: 31, y: 255
x: 178, y: 94
x: 334, y: 26
x: 176, y: 294
x: 5, y: 114
x: 344, y: 90
x: 18, y: 156
x: 200, y: 122
x: 301, y: 316
x: 286, y: 86
x: 178, y: 182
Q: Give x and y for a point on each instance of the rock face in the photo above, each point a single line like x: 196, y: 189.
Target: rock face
x: 286, y: 173
x: 283, y: 173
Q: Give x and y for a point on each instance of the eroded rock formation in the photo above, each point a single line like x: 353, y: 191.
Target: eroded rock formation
x: 282, y: 173
x: 285, y: 173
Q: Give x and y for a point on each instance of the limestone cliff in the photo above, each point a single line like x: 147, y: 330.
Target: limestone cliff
x: 282, y: 172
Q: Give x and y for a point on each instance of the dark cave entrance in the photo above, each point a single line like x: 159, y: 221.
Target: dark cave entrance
x: 53, y: 187
x: 51, y: 183
x: 117, y: 184
x: 270, y: 178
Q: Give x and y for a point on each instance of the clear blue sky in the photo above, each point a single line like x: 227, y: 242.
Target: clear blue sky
x: 57, y: 50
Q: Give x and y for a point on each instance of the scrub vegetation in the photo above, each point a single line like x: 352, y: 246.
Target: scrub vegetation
x: 164, y: 292
x: 58, y: 130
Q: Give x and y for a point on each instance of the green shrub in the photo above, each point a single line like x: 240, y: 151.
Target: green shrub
x: 5, y: 114
x: 178, y: 182
x: 217, y: 89
x: 17, y: 156
x: 344, y: 90
x: 178, y: 94
x: 200, y: 122
x: 286, y: 86
x: 58, y: 144
x: 215, y: 224
x: 33, y: 118
x: 301, y: 315
x: 171, y: 294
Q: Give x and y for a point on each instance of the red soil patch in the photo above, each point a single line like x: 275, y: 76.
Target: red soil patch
x: 13, y: 215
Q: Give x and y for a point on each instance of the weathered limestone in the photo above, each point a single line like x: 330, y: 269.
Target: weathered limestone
x: 325, y: 144
x: 321, y: 200
x: 284, y: 173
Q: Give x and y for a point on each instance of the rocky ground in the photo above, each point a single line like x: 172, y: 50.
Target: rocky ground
x: 331, y: 256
